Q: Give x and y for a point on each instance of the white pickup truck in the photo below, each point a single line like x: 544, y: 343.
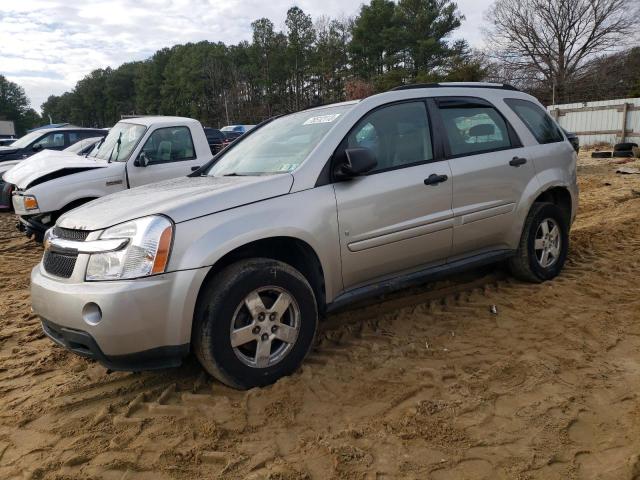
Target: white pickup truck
x: 137, y: 151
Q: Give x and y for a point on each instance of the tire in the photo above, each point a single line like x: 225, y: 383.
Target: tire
x: 525, y: 264
x: 601, y: 155
x: 222, y: 307
x: 623, y: 154
x: 624, y: 147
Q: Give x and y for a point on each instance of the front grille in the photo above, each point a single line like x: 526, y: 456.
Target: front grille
x: 69, y: 234
x: 58, y: 264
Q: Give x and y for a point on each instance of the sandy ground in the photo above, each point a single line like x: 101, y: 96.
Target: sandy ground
x: 425, y: 384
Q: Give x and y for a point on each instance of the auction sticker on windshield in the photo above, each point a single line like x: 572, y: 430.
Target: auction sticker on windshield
x: 321, y: 119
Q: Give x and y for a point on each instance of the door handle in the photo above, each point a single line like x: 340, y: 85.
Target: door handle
x: 435, y: 179
x: 517, y: 161
x: 193, y: 169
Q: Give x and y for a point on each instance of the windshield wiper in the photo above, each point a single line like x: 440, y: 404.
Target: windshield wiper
x: 95, y: 148
x: 114, y: 147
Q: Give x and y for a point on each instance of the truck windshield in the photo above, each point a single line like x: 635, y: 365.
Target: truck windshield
x: 118, y: 145
x: 279, y: 146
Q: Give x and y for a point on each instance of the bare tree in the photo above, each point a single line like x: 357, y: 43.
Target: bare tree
x: 552, y: 41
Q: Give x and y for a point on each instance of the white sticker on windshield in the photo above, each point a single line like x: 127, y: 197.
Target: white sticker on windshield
x: 321, y: 119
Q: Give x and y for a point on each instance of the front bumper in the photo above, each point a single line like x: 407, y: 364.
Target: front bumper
x: 34, y: 226
x: 144, y: 323
x: 83, y: 344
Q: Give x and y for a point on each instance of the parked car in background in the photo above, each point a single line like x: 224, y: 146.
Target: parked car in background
x: 81, y: 147
x: 237, y: 128
x: 233, y: 132
x: 5, y: 142
x: 230, y: 137
x: 309, y: 212
x: 47, y: 138
x: 136, y: 151
x: 216, y: 139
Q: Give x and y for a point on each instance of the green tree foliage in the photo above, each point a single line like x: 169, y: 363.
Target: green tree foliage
x: 14, y: 106
x: 279, y: 71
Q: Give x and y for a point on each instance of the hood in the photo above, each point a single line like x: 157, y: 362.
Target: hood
x: 181, y: 199
x: 8, y: 165
x: 4, y: 150
x: 46, y: 163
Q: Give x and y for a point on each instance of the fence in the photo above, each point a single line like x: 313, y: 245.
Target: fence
x: 608, y: 121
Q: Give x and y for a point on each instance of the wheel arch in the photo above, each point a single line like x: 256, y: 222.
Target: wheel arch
x: 558, y: 195
x: 290, y: 250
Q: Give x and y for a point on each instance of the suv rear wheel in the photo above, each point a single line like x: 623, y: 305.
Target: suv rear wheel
x: 255, y: 323
x: 543, y: 246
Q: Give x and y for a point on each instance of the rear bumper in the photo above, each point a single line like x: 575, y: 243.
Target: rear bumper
x: 83, y: 344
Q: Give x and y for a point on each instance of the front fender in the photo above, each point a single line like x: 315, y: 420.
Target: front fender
x: 309, y: 216
x: 54, y: 195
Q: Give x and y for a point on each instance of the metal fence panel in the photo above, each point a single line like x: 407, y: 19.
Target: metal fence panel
x: 608, y: 121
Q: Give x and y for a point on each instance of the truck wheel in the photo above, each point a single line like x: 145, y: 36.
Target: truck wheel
x: 543, y: 246
x: 254, y: 323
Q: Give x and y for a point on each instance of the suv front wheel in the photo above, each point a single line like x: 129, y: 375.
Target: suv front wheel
x: 255, y: 323
x: 543, y: 246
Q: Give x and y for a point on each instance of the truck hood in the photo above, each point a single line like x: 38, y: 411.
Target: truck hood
x: 182, y: 198
x: 8, y: 165
x: 48, y: 162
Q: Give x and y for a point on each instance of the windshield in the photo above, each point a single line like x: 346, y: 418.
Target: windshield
x: 279, y: 146
x: 27, y: 139
x: 118, y: 145
x: 82, y: 144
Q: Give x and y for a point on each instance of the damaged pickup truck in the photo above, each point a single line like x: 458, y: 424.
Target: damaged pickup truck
x: 136, y: 152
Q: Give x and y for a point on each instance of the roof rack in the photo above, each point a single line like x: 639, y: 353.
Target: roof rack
x: 498, y: 86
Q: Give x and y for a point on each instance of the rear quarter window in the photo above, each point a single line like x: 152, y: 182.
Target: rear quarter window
x: 536, y: 119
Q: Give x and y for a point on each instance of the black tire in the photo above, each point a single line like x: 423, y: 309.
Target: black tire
x: 218, y: 302
x: 601, y: 155
x: 624, y: 147
x: 524, y: 264
x: 623, y: 154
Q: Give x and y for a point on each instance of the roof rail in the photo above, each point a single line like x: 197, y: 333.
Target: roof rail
x: 499, y: 86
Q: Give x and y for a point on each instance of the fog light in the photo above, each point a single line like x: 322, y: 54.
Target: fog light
x: 91, y: 313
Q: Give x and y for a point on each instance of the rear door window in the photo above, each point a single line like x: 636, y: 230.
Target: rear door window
x: 51, y: 140
x: 539, y: 123
x: 473, y: 126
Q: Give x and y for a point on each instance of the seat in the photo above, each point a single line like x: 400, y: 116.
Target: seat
x: 164, y: 151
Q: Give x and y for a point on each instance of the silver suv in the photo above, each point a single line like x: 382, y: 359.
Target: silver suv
x: 306, y: 213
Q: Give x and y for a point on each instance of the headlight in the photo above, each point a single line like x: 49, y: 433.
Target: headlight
x: 147, y: 252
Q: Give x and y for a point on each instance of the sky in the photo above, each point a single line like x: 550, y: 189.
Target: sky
x: 46, y: 46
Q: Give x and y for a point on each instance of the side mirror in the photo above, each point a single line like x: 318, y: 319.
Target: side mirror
x: 357, y: 161
x: 142, y: 160
x: 37, y: 147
